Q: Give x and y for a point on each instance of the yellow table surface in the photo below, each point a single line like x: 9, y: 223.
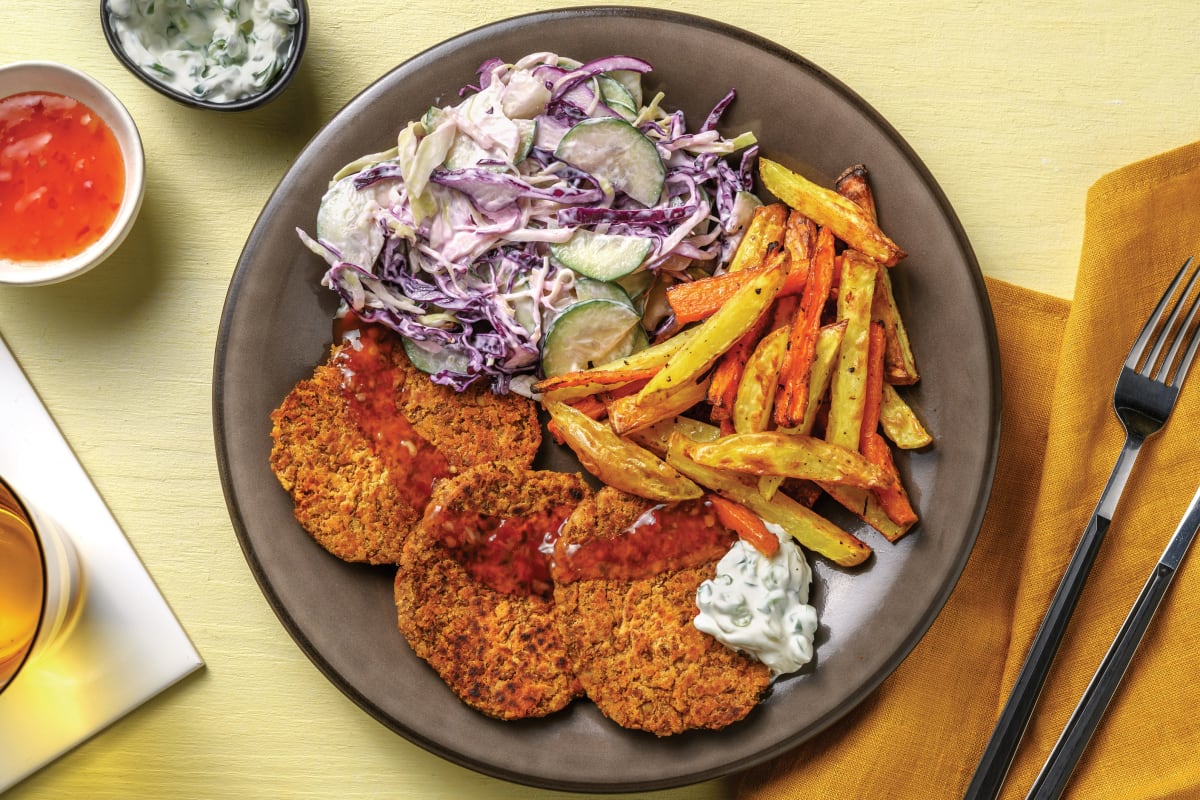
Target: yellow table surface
x: 1016, y: 108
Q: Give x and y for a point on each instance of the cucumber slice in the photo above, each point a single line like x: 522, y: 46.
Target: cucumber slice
x: 636, y: 284
x: 617, y: 97
x: 588, y: 289
x: 632, y: 83
x: 603, y: 256
x: 433, y: 359
x: 590, y: 333
x: 614, y: 151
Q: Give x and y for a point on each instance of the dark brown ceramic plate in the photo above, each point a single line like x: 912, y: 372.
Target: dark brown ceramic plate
x: 276, y: 327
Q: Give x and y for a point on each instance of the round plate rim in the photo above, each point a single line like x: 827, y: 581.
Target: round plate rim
x: 971, y: 526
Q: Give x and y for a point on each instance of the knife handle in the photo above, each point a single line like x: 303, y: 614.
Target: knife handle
x: 1052, y: 780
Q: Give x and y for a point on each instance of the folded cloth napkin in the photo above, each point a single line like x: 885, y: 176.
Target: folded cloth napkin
x: 922, y: 733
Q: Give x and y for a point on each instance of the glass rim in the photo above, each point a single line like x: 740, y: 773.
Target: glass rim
x: 6, y: 489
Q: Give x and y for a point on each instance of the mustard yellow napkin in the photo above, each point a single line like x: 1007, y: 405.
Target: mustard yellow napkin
x: 922, y: 733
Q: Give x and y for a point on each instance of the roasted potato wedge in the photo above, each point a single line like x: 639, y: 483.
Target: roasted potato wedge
x: 719, y: 332
x: 762, y: 243
x: 619, y: 462
x: 806, y: 526
x: 632, y: 412
x: 791, y: 456
x: 760, y: 379
x: 864, y: 505
x: 828, y: 208
x: 847, y: 389
x: 657, y: 437
x: 900, y: 423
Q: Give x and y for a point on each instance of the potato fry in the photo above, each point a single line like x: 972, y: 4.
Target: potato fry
x: 794, y: 375
x: 900, y: 423
x: 829, y: 342
x: 792, y: 456
x: 799, y: 239
x: 591, y: 406
x: 657, y: 437
x: 829, y: 209
x: 898, y: 358
x: 866, y: 506
x: 632, y: 412
x: 756, y: 391
x: 829, y: 346
x: 619, y: 462
x: 719, y: 332
x: 847, y: 389
x: 901, y: 366
x: 806, y: 526
x: 763, y: 241
x: 745, y: 523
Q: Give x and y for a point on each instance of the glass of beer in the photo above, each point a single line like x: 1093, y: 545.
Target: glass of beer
x: 40, y: 584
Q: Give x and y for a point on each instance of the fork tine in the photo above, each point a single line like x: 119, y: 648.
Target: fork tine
x: 1139, y: 346
x: 1179, y: 334
x: 1190, y: 354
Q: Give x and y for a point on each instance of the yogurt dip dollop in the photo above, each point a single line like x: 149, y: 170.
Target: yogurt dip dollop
x: 759, y: 605
x: 221, y: 51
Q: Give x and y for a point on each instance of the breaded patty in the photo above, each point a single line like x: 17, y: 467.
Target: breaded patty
x: 358, y: 493
x: 500, y: 652
x: 635, y: 650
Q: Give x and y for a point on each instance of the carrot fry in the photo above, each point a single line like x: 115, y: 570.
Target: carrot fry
x: 770, y: 241
x: 600, y: 377
x: 722, y: 390
x: 894, y: 499
x: 699, y: 299
x: 792, y: 399
x: 591, y: 405
x: 874, y: 385
x: 745, y: 523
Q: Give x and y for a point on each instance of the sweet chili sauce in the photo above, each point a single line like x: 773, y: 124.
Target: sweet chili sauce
x: 519, y: 556
x: 371, y: 384
x: 62, y: 177
x: 666, y: 537
x: 510, y: 554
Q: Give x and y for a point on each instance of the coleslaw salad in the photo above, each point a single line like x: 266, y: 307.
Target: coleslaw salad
x: 490, y: 218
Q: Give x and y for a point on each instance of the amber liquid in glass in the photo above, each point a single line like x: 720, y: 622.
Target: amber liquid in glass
x: 21, y: 589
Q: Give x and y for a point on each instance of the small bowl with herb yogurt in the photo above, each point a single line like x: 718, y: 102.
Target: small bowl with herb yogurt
x: 221, y: 55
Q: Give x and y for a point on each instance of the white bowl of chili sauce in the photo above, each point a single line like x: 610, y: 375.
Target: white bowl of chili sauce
x: 72, y: 173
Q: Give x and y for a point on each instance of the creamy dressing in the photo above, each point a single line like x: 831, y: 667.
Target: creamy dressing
x: 759, y: 605
x: 221, y: 51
